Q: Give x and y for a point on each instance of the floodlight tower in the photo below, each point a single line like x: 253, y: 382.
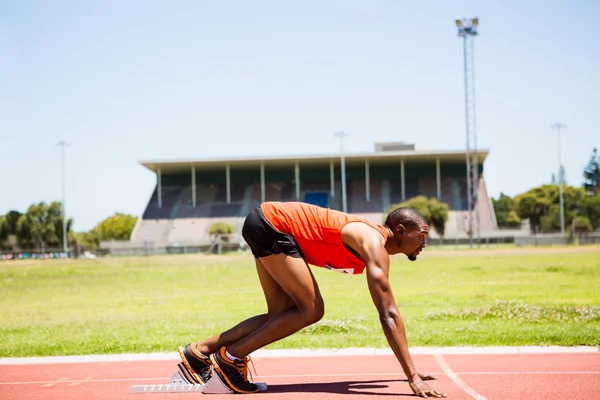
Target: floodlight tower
x: 467, y: 29
x: 341, y: 135
x: 558, y: 126
x: 62, y: 145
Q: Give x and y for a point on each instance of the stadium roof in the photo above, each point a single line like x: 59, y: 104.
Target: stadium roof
x: 184, y: 165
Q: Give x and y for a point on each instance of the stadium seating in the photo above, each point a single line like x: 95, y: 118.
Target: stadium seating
x: 179, y: 221
x: 151, y: 230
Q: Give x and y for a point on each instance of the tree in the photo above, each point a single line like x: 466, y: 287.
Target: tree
x: 549, y: 223
x: 34, y: 228
x: 85, y: 240
x: 12, y: 218
x: 220, y: 228
x: 116, y: 227
x: 41, y: 225
x: 531, y: 205
x: 503, y: 207
x: 4, y: 230
x: 418, y: 203
x: 590, y: 208
x: 434, y: 211
x: 25, y: 236
x: 512, y: 219
x: 438, y: 214
x: 582, y: 225
x: 55, y: 217
x: 573, y: 198
x: 541, y: 206
x: 591, y: 175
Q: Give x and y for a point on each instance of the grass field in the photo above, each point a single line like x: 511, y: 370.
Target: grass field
x: 504, y: 296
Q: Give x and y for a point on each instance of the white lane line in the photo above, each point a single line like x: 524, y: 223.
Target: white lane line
x: 459, y: 382
x: 394, y: 374
x: 300, y: 353
x: 87, y: 380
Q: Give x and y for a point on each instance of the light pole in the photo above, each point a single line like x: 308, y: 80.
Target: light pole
x: 468, y: 29
x: 558, y: 126
x: 62, y: 145
x: 341, y: 135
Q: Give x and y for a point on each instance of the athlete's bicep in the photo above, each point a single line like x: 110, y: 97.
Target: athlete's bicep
x: 377, y: 270
x: 370, y: 245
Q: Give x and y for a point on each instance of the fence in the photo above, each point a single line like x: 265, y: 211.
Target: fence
x: 220, y: 245
x: 33, y: 255
x: 231, y: 243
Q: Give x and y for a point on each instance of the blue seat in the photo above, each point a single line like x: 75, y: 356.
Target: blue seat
x: 317, y: 198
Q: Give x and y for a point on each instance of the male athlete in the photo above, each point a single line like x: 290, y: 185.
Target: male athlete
x: 284, y: 238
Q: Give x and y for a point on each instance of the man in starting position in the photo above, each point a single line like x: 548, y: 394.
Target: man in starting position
x: 287, y: 236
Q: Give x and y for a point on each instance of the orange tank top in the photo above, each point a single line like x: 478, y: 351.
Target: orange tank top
x: 318, y: 233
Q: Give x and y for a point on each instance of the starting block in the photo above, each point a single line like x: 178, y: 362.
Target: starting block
x: 180, y: 383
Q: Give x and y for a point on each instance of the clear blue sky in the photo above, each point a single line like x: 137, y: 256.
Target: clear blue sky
x: 129, y: 80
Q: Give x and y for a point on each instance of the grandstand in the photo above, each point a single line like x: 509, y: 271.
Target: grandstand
x: 191, y: 195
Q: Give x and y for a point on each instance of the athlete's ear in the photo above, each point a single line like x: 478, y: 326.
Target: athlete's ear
x: 401, y: 229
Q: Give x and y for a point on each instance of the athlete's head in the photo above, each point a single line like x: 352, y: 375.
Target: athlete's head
x: 410, y: 230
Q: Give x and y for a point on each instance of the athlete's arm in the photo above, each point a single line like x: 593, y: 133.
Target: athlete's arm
x: 370, y: 245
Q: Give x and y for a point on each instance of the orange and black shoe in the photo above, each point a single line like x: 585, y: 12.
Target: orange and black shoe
x: 197, y: 364
x: 234, y: 374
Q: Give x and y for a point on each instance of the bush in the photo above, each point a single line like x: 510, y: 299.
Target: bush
x: 582, y: 224
x: 434, y: 211
x: 512, y: 220
x: 220, y: 228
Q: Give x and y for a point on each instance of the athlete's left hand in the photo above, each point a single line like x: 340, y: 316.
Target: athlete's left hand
x: 422, y: 389
x: 427, y: 377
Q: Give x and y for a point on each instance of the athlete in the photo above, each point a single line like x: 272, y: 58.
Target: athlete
x: 284, y: 238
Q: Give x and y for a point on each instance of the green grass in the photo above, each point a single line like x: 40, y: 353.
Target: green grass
x: 115, y: 305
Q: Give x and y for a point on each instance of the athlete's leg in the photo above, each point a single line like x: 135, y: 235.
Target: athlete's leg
x: 295, y: 278
x: 277, y: 301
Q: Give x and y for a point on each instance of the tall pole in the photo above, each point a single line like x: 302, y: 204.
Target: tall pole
x: 468, y: 29
x: 558, y: 127
x: 62, y: 145
x: 341, y: 135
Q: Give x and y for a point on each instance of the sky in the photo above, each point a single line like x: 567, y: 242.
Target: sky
x: 124, y: 81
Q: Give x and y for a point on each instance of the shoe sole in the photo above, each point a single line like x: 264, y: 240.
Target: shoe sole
x: 185, y: 374
x: 224, y: 378
x: 194, y: 375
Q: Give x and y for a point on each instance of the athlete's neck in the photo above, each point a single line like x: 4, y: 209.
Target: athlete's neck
x: 391, y: 234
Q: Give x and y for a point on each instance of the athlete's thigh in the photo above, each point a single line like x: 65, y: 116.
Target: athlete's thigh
x: 277, y: 299
x: 295, y: 277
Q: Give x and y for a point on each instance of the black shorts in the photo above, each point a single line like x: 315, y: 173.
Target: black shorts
x: 264, y: 240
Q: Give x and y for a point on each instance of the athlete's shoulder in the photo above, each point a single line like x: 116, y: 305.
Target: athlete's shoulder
x: 374, y: 229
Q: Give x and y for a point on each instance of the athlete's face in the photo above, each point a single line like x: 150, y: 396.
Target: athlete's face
x: 412, y: 240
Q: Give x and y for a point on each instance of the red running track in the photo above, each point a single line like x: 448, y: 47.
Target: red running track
x: 514, y: 377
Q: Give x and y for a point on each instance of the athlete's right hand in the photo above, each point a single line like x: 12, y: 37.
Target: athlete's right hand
x: 422, y: 389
